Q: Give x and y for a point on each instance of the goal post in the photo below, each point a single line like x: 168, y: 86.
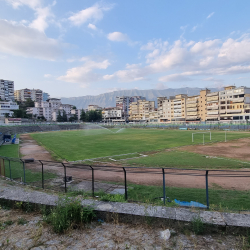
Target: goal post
x: 203, y: 135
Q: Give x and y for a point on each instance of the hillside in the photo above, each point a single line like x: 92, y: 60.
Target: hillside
x: 108, y: 99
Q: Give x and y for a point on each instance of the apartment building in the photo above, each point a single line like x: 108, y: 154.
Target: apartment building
x: 46, y: 96
x: 192, y: 108
x: 112, y: 114
x: 35, y: 95
x: 139, y: 111
x: 164, y: 109
x: 6, y: 108
x: 213, y: 106
x: 234, y: 103
x: 123, y: 102
x: 178, y: 108
x: 49, y: 109
x: 203, y: 104
x: 93, y: 107
x: 7, y: 90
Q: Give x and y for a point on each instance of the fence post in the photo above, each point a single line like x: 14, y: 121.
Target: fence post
x: 93, y: 182
x: 65, y: 178
x: 207, y: 189
x: 42, y: 175
x: 10, y: 169
x: 125, y: 182
x: 164, y: 187
x: 24, y: 177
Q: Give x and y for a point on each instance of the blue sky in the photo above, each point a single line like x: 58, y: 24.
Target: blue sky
x: 83, y: 47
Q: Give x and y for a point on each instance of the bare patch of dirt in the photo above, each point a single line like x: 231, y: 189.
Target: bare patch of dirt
x: 238, y: 149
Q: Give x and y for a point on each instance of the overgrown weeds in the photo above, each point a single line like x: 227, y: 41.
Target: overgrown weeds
x: 68, y: 213
x: 198, y: 225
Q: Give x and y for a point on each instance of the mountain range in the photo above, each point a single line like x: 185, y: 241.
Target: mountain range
x: 108, y: 99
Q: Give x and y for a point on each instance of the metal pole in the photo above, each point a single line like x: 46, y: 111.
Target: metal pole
x: 10, y: 170
x: 42, y: 175
x: 207, y: 189
x: 93, y: 182
x: 125, y: 182
x: 65, y: 178
x: 164, y: 187
x: 203, y: 139
x: 24, y: 178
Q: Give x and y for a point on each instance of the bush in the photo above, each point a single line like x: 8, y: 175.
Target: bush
x: 69, y: 213
x: 198, y: 225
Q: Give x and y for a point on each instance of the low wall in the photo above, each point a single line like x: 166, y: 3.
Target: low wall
x: 39, y: 128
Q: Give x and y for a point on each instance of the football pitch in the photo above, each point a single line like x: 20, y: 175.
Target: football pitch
x: 94, y: 143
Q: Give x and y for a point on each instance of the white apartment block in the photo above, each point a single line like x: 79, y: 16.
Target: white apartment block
x: 7, y: 90
x: 234, y: 104
x: 93, y: 107
x: 35, y: 95
x: 212, y: 106
x: 178, y: 108
x: 112, y: 114
x: 192, y: 108
x: 50, y: 109
x: 6, y: 108
x: 139, y: 111
x: 164, y: 109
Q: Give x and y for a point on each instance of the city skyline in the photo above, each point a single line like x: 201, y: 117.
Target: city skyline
x: 92, y: 47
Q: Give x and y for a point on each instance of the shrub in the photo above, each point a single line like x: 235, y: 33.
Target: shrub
x: 198, y: 225
x: 69, y: 213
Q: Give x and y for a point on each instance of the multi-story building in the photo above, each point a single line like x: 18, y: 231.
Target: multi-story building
x: 213, y: 106
x: 7, y: 90
x: 164, y: 109
x: 46, y: 96
x: 192, y: 108
x: 234, y: 103
x: 203, y: 104
x: 139, y: 111
x: 35, y: 95
x: 112, y: 114
x: 6, y: 108
x: 178, y: 108
x: 123, y: 102
x: 93, y: 107
x: 49, y: 109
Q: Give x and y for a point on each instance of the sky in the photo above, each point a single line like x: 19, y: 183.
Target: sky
x: 82, y: 47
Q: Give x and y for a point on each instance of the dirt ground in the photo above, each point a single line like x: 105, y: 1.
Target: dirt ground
x: 238, y: 180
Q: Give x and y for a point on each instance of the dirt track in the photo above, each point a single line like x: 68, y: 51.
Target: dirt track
x: 178, y: 178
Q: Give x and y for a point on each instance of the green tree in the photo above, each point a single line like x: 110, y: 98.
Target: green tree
x: 64, y: 116
x: 74, y: 107
x: 59, y: 117
x: 83, y: 116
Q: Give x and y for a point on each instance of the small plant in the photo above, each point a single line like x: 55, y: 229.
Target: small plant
x: 22, y: 221
x: 69, y: 213
x: 9, y: 222
x: 113, y: 197
x: 198, y: 225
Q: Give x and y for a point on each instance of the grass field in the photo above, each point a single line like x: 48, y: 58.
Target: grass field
x: 16, y: 167
x: 88, y: 144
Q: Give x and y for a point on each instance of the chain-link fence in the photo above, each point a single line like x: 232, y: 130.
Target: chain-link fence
x: 214, y: 189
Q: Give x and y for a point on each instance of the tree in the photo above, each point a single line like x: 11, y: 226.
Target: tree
x: 73, y: 118
x: 83, y: 116
x: 74, y: 107
x: 59, y: 117
x: 64, y: 116
x: 6, y: 115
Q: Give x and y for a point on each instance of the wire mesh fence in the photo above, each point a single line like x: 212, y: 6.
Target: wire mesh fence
x: 210, y: 189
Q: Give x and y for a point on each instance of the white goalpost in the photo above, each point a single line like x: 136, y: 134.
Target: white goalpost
x: 203, y: 136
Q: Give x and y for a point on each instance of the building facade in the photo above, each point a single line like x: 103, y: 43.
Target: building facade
x: 112, y: 115
x: 7, y: 90
x: 6, y: 109
x: 35, y: 95
x: 139, y: 110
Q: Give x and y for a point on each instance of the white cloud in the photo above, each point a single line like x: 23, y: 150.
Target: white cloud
x: 94, y: 13
x: 20, y: 40
x: 47, y: 75
x: 190, y: 59
x: 210, y: 15
x: 84, y: 74
x: 92, y: 26
x: 117, y: 37
x: 42, y: 13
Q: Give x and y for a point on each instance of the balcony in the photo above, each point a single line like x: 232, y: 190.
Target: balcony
x: 192, y: 105
x: 234, y: 111
x: 191, y: 109
x: 212, y: 98
x: 191, y: 113
x: 213, y: 112
x: 212, y: 107
x: 239, y: 99
x: 192, y: 101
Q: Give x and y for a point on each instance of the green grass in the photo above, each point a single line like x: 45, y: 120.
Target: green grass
x: 16, y: 167
x: 87, y: 144
x: 183, y: 159
x: 219, y: 199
